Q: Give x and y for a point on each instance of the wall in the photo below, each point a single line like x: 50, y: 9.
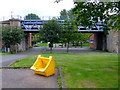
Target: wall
x: 14, y: 22
x: 112, y: 41
x: 0, y: 44
x: 98, y: 40
x: 21, y: 46
x: 92, y: 42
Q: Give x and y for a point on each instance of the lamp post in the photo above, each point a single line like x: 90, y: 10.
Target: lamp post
x: 11, y: 15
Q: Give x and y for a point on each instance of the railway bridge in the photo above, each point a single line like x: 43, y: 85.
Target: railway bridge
x: 33, y: 26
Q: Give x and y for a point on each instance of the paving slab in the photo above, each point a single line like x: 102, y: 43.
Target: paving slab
x: 25, y: 78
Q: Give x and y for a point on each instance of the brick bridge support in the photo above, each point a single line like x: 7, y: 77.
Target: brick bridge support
x: 27, y: 39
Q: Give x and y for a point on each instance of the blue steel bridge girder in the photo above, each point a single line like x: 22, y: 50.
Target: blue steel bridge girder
x: 34, y: 25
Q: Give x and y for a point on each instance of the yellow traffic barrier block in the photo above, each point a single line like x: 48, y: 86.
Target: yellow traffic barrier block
x: 44, y: 66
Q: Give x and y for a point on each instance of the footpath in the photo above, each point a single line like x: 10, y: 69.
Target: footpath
x: 25, y: 78
x: 8, y: 59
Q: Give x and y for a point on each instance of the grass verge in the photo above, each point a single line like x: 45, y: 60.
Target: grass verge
x: 42, y: 44
x: 6, y: 53
x: 59, y: 79
x: 96, y: 70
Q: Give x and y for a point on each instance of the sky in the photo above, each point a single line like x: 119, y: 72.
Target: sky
x: 39, y: 7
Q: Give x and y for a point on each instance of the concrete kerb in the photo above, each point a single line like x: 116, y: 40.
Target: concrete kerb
x: 22, y: 58
x: 14, y: 67
x: 15, y: 61
x: 61, y: 77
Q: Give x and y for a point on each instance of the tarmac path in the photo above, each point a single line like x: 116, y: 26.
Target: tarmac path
x: 8, y: 59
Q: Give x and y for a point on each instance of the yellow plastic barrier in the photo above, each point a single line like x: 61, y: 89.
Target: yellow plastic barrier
x: 44, y: 66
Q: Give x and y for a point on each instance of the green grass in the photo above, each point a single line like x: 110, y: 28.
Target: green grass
x: 6, y: 53
x: 46, y: 44
x: 42, y: 44
x: 96, y: 70
x: 59, y: 81
x: 85, y: 45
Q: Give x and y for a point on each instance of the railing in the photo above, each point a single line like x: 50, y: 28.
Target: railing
x: 10, y: 17
x: 30, y: 18
x: 42, y: 18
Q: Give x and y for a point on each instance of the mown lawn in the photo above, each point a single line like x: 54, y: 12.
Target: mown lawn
x: 43, y: 44
x: 6, y: 53
x: 96, y: 70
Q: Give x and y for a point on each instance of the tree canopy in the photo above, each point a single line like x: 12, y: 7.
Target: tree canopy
x: 12, y: 35
x: 89, y: 12
x: 64, y: 14
x: 51, y: 31
x: 32, y: 16
x: 68, y: 31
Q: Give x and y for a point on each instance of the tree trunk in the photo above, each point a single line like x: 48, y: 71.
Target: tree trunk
x: 62, y: 45
x: 77, y: 43
x: 65, y: 44
x: 81, y: 44
x: 73, y: 43
x: 55, y: 45
x: 51, y: 47
x: 8, y: 49
x: 16, y: 48
x: 68, y: 47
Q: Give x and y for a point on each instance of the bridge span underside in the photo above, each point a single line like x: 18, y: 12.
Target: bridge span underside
x: 32, y: 26
x: 37, y: 31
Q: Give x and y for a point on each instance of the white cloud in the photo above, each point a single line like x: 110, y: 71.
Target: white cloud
x: 39, y: 7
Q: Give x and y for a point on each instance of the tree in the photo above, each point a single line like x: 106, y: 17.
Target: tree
x: 69, y: 29
x: 50, y: 32
x: 114, y: 22
x: 81, y: 37
x: 89, y: 12
x: 35, y: 38
x: 63, y: 14
x: 32, y: 16
x: 12, y: 35
x: 114, y: 19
